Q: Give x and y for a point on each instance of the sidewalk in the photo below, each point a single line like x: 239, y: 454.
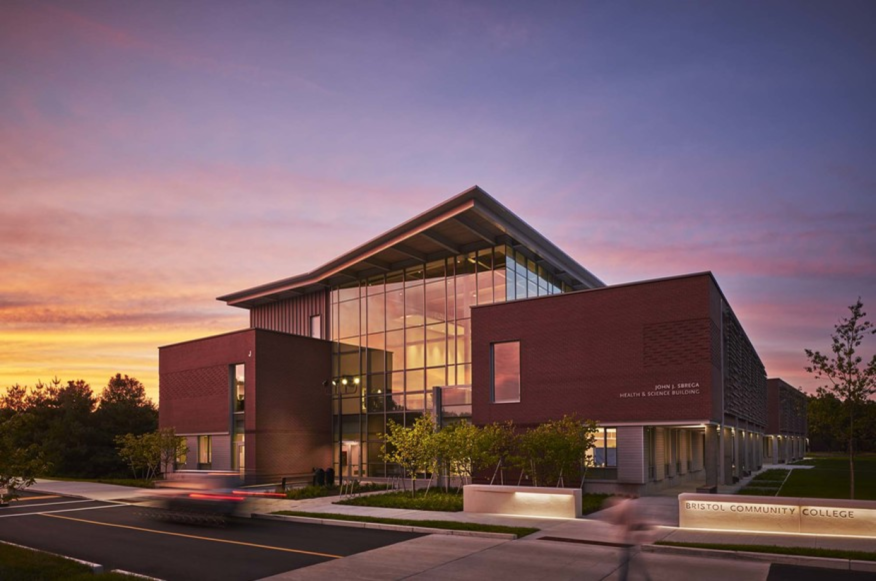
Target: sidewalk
x: 93, y: 490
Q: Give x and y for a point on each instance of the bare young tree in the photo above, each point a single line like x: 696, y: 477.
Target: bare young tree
x: 849, y: 377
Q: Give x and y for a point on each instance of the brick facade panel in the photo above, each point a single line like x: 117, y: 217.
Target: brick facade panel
x: 292, y: 426
x: 194, y: 386
x: 581, y: 351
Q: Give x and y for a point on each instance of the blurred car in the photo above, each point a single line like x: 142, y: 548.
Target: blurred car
x: 202, y: 508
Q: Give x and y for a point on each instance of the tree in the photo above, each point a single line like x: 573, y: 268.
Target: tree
x: 851, y: 379
x: 554, y: 450
x: 18, y: 466
x: 826, y: 419
x: 69, y: 431
x: 147, y: 454
x: 123, y: 408
x: 413, y: 448
x: 499, y: 442
x: 142, y: 453
x: 170, y: 448
x: 461, y: 446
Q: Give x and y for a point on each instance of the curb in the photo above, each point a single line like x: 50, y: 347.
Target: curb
x: 138, y: 575
x: 96, y: 568
x: 32, y: 489
x: 385, y: 527
x: 823, y: 562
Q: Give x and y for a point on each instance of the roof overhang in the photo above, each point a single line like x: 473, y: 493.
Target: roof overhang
x: 470, y: 221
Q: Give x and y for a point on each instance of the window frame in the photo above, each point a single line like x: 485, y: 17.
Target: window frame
x: 208, y: 439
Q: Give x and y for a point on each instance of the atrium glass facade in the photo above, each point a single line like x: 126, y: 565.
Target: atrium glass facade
x: 398, y: 335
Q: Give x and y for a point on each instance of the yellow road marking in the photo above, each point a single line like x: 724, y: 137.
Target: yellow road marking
x: 26, y: 498
x: 195, y: 537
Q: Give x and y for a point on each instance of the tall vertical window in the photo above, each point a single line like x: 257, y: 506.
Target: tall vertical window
x: 506, y: 372
x: 205, y: 452
x: 316, y: 327
x: 238, y: 386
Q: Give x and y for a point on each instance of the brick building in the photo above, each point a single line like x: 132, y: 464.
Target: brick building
x: 786, y: 429
x: 467, y: 312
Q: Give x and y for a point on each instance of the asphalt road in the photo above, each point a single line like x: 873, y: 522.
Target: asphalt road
x: 121, y: 536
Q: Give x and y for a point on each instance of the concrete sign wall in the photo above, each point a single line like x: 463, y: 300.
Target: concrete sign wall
x: 782, y: 515
x: 522, y: 500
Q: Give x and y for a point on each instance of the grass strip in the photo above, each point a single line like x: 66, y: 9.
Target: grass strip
x: 772, y: 475
x: 751, y: 491
x: 776, y: 550
x: 435, y: 524
x: 20, y: 564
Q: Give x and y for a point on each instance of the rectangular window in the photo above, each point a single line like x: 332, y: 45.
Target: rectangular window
x: 506, y: 372
x: 205, y: 452
x: 603, y: 454
x: 238, y: 386
x: 316, y: 327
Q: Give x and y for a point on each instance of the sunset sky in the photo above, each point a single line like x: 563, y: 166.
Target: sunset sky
x: 155, y: 155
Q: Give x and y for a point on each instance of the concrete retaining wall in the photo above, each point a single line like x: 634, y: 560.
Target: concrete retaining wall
x: 523, y: 500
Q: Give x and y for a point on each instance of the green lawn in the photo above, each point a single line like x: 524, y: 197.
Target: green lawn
x: 435, y: 524
x: 767, y: 483
x: 830, y: 478
x: 19, y: 564
x: 776, y: 550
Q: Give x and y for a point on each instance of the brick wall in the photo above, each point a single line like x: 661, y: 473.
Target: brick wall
x: 591, y: 352
x: 291, y: 430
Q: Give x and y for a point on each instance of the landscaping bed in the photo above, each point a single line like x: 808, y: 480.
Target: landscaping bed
x: 324, y: 491
x: 441, y: 500
x: 435, y: 499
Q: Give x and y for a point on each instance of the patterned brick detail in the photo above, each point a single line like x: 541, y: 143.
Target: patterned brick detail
x: 676, y: 343
x: 203, y: 382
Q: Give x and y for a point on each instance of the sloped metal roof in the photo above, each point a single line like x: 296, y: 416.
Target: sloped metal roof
x: 466, y: 222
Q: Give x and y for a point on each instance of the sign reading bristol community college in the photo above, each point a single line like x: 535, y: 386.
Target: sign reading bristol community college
x: 665, y: 390
x: 787, y: 515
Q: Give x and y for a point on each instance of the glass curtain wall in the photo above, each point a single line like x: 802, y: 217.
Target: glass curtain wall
x: 405, y: 332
